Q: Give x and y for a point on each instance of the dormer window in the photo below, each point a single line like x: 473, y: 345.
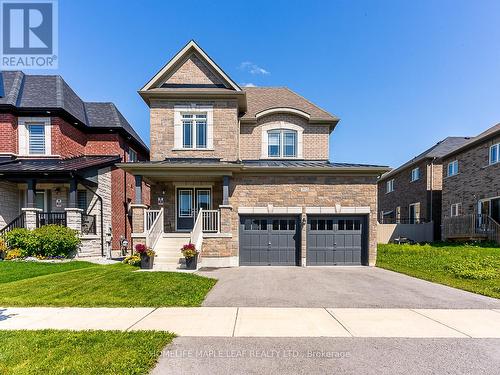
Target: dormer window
x: 282, y: 143
x: 281, y: 140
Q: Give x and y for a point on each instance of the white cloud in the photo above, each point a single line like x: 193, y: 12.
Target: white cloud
x: 252, y: 68
x: 249, y: 84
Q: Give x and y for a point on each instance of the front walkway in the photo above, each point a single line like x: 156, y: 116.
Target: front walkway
x: 264, y: 322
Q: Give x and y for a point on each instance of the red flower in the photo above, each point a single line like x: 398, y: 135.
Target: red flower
x: 140, y: 248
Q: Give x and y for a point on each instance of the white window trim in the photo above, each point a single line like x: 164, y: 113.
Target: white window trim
x: 23, y: 134
x: 497, y: 146
x: 456, y: 206
x: 282, y: 125
x: 448, y: 168
x: 412, y: 177
x: 193, y: 108
x: 391, y: 184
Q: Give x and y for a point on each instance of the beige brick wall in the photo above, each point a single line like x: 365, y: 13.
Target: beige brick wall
x: 315, y: 137
x: 225, y: 130
x: 475, y: 179
x: 9, y: 209
x: 193, y: 71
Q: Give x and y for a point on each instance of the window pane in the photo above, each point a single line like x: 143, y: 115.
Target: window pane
x: 187, y: 134
x: 314, y: 224
x: 321, y: 224
x: 201, y: 134
x: 291, y: 224
x: 263, y: 224
x: 36, y: 139
x: 329, y: 225
x: 132, y: 155
x: 274, y: 144
x: 283, y: 224
x: 357, y: 225
x: 289, y: 142
x: 276, y: 225
x: 349, y: 224
x: 494, y: 154
x: 185, y: 203
x: 341, y: 225
x: 81, y: 200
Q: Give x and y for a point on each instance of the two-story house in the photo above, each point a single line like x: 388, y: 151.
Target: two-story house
x: 411, y: 193
x: 471, y: 188
x: 57, y: 161
x: 244, y: 174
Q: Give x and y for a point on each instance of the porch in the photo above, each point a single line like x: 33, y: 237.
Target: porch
x: 471, y: 227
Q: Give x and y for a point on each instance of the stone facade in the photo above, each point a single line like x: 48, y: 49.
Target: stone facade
x: 10, y: 202
x: 193, y: 71
x: 314, y: 143
x: 225, y: 130
x: 476, y: 179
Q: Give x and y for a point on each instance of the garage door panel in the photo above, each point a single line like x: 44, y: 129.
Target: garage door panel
x: 269, y: 240
x: 335, y: 240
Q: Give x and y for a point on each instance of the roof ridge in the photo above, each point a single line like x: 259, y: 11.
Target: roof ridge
x: 13, y: 95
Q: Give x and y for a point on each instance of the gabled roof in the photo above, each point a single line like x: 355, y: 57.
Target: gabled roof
x: 263, y: 100
x: 494, y: 131
x: 181, y: 56
x: 51, y: 92
x: 437, y: 151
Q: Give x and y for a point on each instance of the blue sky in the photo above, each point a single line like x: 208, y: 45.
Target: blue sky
x: 401, y: 75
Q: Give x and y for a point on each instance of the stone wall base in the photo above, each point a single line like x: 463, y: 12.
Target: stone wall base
x: 219, y: 262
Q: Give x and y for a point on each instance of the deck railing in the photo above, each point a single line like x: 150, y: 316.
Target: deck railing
x: 197, y: 234
x: 155, y: 230
x: 471, y: 227
x: 210, y: 221
x: 47, y: 218
x: 18, y: 222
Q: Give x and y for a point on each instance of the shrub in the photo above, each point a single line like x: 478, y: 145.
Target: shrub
x: 56, y: 240
x: 140, y: 248
x: 3, y: 248
x: 133, y: 260
x: 13, y: 254
x: 22, y: 239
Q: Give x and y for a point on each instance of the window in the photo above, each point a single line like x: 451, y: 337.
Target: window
x: 495, y: 153
x: 132, y: 155
x: 282, y: 143
x: 81, y: 200
x: 390, y: 186
x: 414, y: 217
x: 453, y: 168
x: 415, y: 174
x: 456, y: 209
x: 194, y: 130
x: 36, y: 139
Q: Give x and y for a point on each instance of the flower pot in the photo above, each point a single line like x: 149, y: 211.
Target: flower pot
x: 146, y: 262
x: 191, y: 263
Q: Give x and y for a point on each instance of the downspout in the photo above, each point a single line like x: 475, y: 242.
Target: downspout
x: 82, y: 181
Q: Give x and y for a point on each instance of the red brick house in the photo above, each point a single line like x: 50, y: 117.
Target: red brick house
x: 57, y: 161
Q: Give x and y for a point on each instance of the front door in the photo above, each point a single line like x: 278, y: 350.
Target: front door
x: 495, y: 209
x: 189, y: 203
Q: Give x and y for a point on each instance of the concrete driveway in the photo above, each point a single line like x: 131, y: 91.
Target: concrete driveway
x: 339, y: 287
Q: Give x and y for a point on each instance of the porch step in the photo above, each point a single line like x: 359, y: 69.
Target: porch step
x: 167, y: 249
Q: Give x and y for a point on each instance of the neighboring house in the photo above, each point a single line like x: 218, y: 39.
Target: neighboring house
x: 471, y: 188
x: 244, y: 174
x: 57, y: 161
x: 411, y: 193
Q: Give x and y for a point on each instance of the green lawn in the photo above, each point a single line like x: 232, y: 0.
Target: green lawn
x: 467, y: 267
x: 84, y: 352
x: 90, y: 285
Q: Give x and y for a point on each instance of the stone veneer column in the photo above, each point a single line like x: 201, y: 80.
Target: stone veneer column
x: 138, y: 231
x: 225, y: 218
x: 30, y: 219
x: 74, y: 218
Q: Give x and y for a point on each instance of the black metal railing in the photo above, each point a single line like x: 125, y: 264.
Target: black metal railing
x: 18, y: 222
x: 88, y: 224
x: 47, y: 218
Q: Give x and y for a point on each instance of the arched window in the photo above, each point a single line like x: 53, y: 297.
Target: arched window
x: 282, y: 143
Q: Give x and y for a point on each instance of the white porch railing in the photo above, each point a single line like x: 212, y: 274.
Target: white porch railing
x: 155, y: 229
x: 197, y: 234
x: 210, y: 221
x: 149, y: 218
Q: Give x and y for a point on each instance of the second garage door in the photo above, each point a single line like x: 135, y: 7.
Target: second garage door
x: 336, y: 240
x: 269, y: 241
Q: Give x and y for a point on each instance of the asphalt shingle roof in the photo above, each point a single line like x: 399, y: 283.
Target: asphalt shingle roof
x: 437, y: 151
x: 262, y: 98
x: 491, y: 132
x: 52, y: 92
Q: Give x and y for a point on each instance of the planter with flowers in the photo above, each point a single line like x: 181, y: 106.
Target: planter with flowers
x: 191, y: 255
x: 147, y: 256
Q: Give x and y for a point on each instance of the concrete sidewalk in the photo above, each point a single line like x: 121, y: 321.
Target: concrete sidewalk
x: 265, y: 322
